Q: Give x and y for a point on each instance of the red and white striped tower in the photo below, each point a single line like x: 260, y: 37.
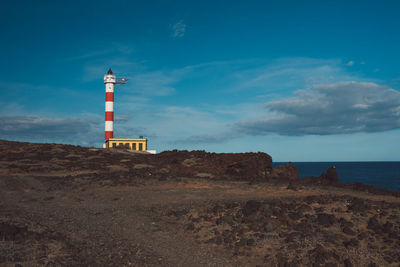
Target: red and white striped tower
x: 109, y: 81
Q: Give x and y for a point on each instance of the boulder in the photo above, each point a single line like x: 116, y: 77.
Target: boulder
x: 358, y: 205
x: 251, y: 207
x: 286, y: 172
x: 374, y: 225
x: 325, y: 219
x: 330, y: 177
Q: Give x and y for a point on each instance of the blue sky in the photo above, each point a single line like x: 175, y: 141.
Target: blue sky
x: 300, y: 80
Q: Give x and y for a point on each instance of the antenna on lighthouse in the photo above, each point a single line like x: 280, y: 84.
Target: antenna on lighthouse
x: 120, y: 80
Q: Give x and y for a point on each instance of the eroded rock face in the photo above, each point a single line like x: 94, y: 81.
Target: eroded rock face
x: 50, y: 158
x: 229, y: 166
x: 330, y: 177
x: 73, y: 163
x: 286, y: 172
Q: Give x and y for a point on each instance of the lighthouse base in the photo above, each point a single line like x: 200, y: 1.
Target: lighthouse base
x: 138, y: 144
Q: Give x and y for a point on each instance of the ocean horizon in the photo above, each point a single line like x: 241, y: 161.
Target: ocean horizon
x: 382, y: 174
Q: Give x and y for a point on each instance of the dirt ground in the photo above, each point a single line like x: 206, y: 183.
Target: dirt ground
x: 70, y: 206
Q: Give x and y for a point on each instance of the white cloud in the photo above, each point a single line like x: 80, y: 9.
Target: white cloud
x: 223, y: 122
x: 122, y: 117
x: 350, y: 63
x: 45, y: 129
x: 178, y: 29
x: 339, y: 108
x: 288, y: 74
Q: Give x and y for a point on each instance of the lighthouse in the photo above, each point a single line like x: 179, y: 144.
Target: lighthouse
x: 109, y: 81
x: 136, y: 144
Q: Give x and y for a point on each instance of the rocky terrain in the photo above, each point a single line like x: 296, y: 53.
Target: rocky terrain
x: 68, y: 205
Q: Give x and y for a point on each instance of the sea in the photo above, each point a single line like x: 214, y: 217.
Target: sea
x: 382, y: 174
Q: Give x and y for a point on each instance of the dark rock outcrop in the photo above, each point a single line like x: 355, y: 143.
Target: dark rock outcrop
x: 330, y: 177
x: 358, y: 205
x: 286, y: 172
x: 227, y: 166
x: 251, y: 207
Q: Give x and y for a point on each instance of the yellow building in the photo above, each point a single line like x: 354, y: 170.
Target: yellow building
x: 138, y: 144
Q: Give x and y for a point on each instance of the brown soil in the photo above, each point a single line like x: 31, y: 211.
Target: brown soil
x: 67, y: 205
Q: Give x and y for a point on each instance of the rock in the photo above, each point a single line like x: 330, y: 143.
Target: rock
x: 267, y: 211
x: 256, y: 227
x: 242, y: 242
x: 195, y: 219
x: 9, y: 232
x: 260, y: 236
x: 388, y: 259
x: 345, y: 223
x: 226, y: 233
x: 295, y: 215
x: 394, y: 236
x: 228, y: 219
x: 388, y: 228
x: 51, y: 264
x: 216, y: 209
x: 282, y: 260
x: 177, y: 213
x: 292, y: 186
x: 228, y: 240
x: 325, y: 219
x: 276, y: 211
x: 218, y: 240
x: 351, y: 243
x: 330, y: 177
x: 304, y: 208
x: 211, y: 240
x: 293, y: 237
x: 286, y: 172
x: 348, y: 231
x: 251, y: 207
x: 251, y: 242
x: 362, y: 236
x: 190, y: 226
x: 269, y: 227
x: 347, y: 263
x: 319, y: 255
x: 357, y: 205
x: 303, y: 227
x: 374, y: 225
